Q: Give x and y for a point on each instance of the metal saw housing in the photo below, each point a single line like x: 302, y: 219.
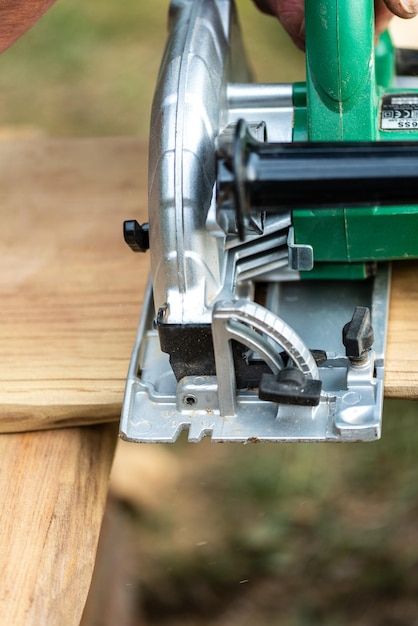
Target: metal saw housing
x: 233, y: 342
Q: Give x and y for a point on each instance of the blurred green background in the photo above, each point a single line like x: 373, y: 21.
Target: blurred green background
x: 89, y: 67
x: 231, y: 535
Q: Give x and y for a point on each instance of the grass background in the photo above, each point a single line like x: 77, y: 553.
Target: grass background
x: 269, y: 534
x: 89, y: 67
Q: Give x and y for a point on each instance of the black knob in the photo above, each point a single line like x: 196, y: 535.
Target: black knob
x: 136, y: 236
x: 358, y: 334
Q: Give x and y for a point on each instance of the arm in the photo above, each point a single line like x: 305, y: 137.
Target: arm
x: 17, y: 16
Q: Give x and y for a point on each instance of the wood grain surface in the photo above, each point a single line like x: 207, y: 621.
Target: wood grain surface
x: 71, y: 290
x: 401, y: 379
x: 54, y: 486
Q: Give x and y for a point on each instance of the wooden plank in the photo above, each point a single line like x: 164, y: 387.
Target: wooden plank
x: 54, y: 486
x: 71, y: 290
x: 401, y: 379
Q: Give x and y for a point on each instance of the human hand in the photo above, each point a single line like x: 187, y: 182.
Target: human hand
x: 291, y: 14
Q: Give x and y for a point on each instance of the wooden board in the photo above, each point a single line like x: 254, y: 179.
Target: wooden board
x: 401, y: 380
x: 54, y: 486
x: 71, y: 290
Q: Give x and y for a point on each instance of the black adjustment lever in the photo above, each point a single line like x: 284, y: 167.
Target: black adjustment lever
x: 136, y: 236
x: 290, y: 386
x: 358, y: 335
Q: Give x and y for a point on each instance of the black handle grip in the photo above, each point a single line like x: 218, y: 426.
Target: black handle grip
x: 281, y: 176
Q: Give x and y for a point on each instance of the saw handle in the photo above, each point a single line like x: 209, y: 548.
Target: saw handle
x: 340, y: 70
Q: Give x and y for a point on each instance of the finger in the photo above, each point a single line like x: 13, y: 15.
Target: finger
x: 382, y: 16
x: 265, y: 6
x: 386, y: 9
x: 291, y: 14
x: 403, y: 8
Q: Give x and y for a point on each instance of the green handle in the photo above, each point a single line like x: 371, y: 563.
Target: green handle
x: 340, y: 71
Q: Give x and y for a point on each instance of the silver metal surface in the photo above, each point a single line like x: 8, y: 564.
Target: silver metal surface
x: 203, y: 86
x: 301, y: 257
x: 157, y: 408
x: 273, y: 104
x: 188, y: 112
x: 261, y: 331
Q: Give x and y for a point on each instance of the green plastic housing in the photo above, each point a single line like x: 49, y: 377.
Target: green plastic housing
x: 347, y: 77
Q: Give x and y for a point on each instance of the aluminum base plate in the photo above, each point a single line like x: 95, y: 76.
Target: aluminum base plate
x: 157, y: 408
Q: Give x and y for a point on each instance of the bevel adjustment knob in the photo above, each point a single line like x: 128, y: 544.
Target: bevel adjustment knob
x: 136, y: 235
x: 358, y: 334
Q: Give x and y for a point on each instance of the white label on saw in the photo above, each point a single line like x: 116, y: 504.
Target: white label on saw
x: 399, y: 112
